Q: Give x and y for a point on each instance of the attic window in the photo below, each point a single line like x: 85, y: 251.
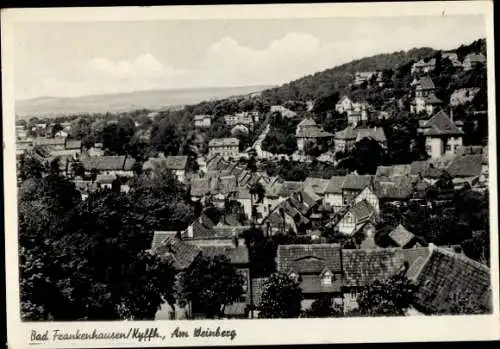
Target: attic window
x: 327, y: 278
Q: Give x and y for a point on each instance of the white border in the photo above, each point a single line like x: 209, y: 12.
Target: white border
x: 249, y: 332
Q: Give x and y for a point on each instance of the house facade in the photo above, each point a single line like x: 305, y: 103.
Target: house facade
x: 202, y: 121
x: 309, y: 134
x: 442, y: 136
x: 472, y: 60
x: 225, y: 147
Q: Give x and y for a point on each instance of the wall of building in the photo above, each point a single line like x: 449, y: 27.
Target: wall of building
x: 334, y: 201
x: 347, y: 224
x: 368, y: 195
x: 434, y: 147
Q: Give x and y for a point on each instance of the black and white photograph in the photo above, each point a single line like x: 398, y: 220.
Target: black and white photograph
x: 186, y: 171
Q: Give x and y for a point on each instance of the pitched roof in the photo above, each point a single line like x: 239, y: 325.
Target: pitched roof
x: 466, y: 166
x: 424, y: 168
x: 237, y: 255
x: 224, y: 142
x: 401, y: 236
x: 446, y: 273
x: 109, y: 163
x: 362, y: 210
x: 432, y: 99
x: 440, y: 124
x: 362, y: 267
x: 398, y: 188
x: 176, y: 162
x: 308, y: 258
x: 48, y: 141
x: 394, y: 170
x: 307, y: 122
x: 349, y: 133
x: 356, y: 182
x: 289, y: 187
x: 335, y: 185
x: 425, y: 83
x: 376, y: 133
x: 73, y: 144
x: 181, y: 254
x: 316, y: 185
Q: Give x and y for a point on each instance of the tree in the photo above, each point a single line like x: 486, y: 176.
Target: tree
x: 392, y: 296
x: 463, y: 304
x: 281, y: 298
x: 210, y: 284
x: 323, y: 307
x: 368, y: 154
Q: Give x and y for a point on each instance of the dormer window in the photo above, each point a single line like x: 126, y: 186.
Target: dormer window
x: 327, y: 278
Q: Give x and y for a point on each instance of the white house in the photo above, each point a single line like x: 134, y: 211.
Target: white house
x: 442, y: 136
x: 343, y: 105
x: 202, y: 121
x: 225, y: 147
x: 360, y: 213
x: 309, y: 133
x: 370, y: 196
x: 423, y: 66
x: 425, y: 98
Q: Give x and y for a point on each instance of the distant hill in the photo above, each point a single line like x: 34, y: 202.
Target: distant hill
x: 122, y: 102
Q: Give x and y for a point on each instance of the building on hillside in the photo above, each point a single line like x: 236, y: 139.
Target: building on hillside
x: 333, y: 194
x: 425, y: 98
x: 394, y: 190
x: 453, y: 57
x: 112, y: 165
x: 370, y: 195
x: 287, y: 216
x: 360, y: 213
x: 316, y: 186
x: 343, y: 105
x: 364, y: 77
x: 309, y: 134
x: 176, y: 164
x: 225, y: 147
x: 353, y: 185
x: 463, y: 95
x: 375, y: 133
x: 423, y: 66
x: 247, y: 118
x: 317, y: 268
x: 285, y: 112
x: 345, y: 140
x: 52, y: 143
x: 442, y: 136
x: 472, y: 60
x: 202, y: 121
x: 466, y: 168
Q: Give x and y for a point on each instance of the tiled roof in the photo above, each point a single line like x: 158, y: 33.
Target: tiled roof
x: 335, y: 185
x: 425, y: 83
x: 274, y: 190
x: 181, y: 254
x: 398, y: 188
x: 401, y: 236
x: 362, y: 267
x: 440, y: 124
x: 312, y: 132
x: 109, y: 163
x: 362, y: 210
x: 313, y: 258
x: 376, y: 133
x: 394, y: 170
x: 446, y: 273
x: 73, y: 144
x: 48, y: 141
x: 356, y: 182
x: 224, y: 142
x: 348, y: 133
x: 423, y: 168
x: 289, y: 187
x: 307, y: 122
x: 200, y: 186
x: 237, y: 255
x: 466, y: 166
x: 317, y: 185
x: 176, y: 162
x: 432, y: 99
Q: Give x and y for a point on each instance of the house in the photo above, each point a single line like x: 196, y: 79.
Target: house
x: 394, y: 190
x: 285, y: 112
x: 465, y: 168
x: 309, y: 134
x: 51, y: 143
x: 344, y: 140
x: 237, y: 253
x: 226, y: 147
x: 426, y: 171
x: 333, y: 193
x: 118, y: 165
x: 376, y: 133
x: 472, y: 60
x: 425, y: 98
x: 176, y: 164
x: 423, y: 66
x: 216, y: 188
x: 200, y: 228
x: 287, y: 216
x: 317, y: 268
x: 361, y: 77
x: 247, y: 118
x: 105, y: 181
x: 453, y: 57
x: 316, y: 186
x: 343, y: 105
x: 353, y: 185
x: 370, y: 195
x: 202, y: 121
x: 360, y: 213
x: 442, y: 136
x: 401, y: 237
x: 463, y: 95
x: 181, y: 256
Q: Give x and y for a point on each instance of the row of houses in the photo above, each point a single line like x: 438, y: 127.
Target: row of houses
x: 329, y: 270
x: 470, y: 61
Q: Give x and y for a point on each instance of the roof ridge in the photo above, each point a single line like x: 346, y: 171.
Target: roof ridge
x: 461, y: 256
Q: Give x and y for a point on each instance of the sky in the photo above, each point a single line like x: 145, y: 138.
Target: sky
x: 76, y: 59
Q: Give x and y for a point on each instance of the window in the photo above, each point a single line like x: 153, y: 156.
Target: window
x: 448, y: 147
x: 354, y: 294
x: 428, y: 149
x: 327, y: 278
